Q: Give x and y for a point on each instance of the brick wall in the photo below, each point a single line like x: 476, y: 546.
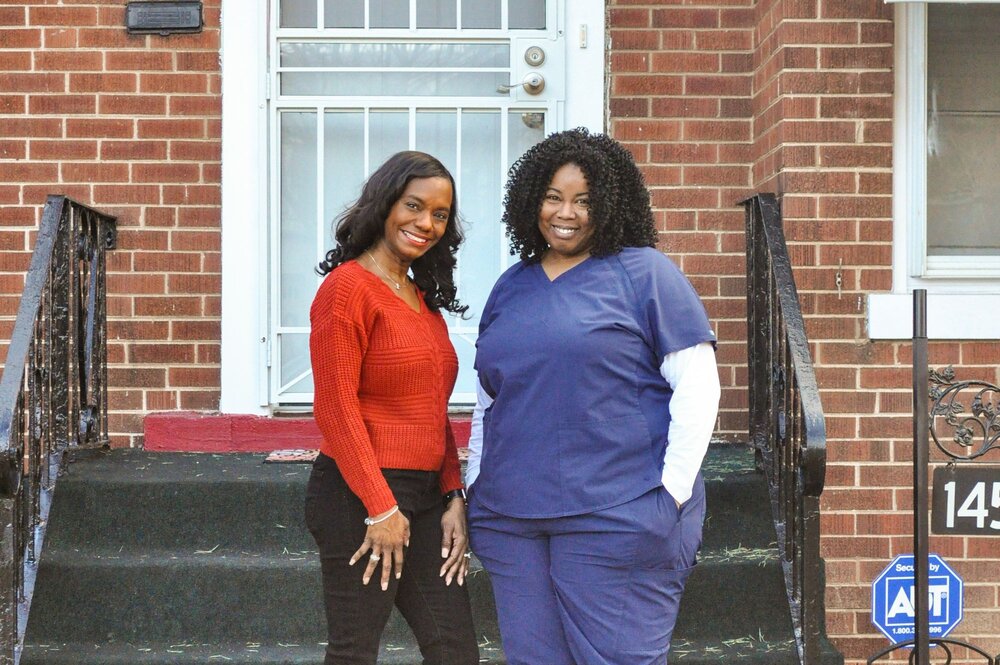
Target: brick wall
x: 131, y: 125
x: 718, y: 99
x: 680, y: 82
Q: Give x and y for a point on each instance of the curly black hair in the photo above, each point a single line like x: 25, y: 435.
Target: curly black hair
x: 363, y: 224
x: 619, y: 201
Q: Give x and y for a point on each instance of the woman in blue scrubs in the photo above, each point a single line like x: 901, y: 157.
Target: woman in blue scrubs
x: 597, y: 399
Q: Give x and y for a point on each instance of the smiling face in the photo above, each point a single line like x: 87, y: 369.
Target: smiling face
x: 417, y: 220
x: 564, y: 219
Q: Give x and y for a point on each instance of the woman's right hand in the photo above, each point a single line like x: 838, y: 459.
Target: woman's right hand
x: 385, y: 540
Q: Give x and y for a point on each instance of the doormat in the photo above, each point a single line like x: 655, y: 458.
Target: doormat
x: 295, y: 455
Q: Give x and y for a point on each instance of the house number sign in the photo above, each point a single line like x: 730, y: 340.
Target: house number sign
x: 966, y: 501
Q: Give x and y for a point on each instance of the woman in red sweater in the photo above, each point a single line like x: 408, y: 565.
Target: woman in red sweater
x: 386, y: 487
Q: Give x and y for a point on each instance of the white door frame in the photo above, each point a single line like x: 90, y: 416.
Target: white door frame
x: 245, y: 284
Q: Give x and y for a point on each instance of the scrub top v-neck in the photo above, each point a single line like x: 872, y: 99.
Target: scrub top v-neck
x: 579, y: 419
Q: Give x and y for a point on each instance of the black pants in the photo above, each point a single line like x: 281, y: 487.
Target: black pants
x: 440, y: 616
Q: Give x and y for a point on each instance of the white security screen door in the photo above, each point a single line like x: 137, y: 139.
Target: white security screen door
x: 472, y: 82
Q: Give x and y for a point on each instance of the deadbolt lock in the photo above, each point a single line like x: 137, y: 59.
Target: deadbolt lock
x: 534, y: 56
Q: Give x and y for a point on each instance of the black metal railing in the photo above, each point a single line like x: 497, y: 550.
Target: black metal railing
x: 787, y: 428
x: 53, y: 394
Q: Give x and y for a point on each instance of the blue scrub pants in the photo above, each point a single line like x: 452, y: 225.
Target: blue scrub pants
x: 601, y: 588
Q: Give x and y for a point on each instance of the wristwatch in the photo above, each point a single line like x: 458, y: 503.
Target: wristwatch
x: 454, y: 494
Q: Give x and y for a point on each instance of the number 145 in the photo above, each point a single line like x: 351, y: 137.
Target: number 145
x: 974, y: 504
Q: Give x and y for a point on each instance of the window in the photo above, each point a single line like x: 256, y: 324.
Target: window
x: 946, y: 162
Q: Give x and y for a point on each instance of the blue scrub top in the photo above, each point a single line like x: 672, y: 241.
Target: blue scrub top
x: 580, y: 413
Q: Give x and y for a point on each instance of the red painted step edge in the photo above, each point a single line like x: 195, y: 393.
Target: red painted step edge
x: 185, y: 431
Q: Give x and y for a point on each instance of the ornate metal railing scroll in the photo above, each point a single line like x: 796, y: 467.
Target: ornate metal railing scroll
x: 787, y: 427
x: 976, y: 427
x: 53, y: 393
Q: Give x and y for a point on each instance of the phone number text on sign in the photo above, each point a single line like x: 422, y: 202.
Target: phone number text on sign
x: 966, y: 500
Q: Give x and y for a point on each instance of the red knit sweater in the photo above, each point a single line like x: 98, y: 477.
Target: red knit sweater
x: 383, y: 374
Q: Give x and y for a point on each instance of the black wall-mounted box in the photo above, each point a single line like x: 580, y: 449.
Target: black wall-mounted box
x: 163, y: 18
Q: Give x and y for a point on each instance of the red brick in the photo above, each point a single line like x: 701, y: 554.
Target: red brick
x: 196, y: 330
x: 68, y: 61
x: 172, y: 306
x: 192, y: 195
x: 210, y: 105
x: 207, y: 61
x: 134, y: 377
x: 12, y: 105
x: 171, y: 128
x: 204, y: 400
x: 629, y: 107
x: 165, y: 172
x: 14, y: 38
x: 195, y: 377
x: 94, y: 172
x: 856, y: 9
x: 132, y: 105
x: 161, y: 354
x: 33, y: 83
x: 856, y: 57
x: 13, y: 149
x: 99, y: 128
x: 167, y: 262
x: 103, y: 82
x: 136, y: 283
x: 628, y: 18
x: 31, y: 171
x: 719, y: 130
x: 642, y: 40
x: 856, y: 206
x: 692, y: 18
x: 60, y: 150
x: 680, y: 62
x: 139, y: 61
x: 62, y: 16
x: 123, y: 194
x: 15, y: 60
x: 62, y: 104
x: 134, y: 329
x: 60, y: 38
x: 12, y: 16
x: 129, y: 150
x: 194, y: 284
x: 856, y: 156
x: 648, y: 85
x: 190, y: 83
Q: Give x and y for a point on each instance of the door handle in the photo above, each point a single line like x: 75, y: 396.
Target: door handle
x: 533, y: 83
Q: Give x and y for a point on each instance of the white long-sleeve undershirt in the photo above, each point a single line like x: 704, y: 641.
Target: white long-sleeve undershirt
x: 694, y: 378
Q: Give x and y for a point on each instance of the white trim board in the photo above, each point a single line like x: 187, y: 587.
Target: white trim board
x: 949, y: 316
x: 244, y: 204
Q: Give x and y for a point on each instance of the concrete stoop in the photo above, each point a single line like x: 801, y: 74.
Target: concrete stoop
x: 154, y: 558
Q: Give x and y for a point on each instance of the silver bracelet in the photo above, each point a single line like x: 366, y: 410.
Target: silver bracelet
x: 369, y: 521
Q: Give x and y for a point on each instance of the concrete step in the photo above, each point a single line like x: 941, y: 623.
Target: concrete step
x: 135, y: 502
x: 187, y: 557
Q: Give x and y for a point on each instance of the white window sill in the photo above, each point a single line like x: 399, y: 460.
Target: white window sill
x: 949, y: 316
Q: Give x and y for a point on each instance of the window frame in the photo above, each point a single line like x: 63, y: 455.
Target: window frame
x: 951, y: 287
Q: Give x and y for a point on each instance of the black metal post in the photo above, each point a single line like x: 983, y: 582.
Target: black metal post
x: 921, y: 453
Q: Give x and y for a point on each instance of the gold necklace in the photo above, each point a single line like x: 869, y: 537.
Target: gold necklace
x: 384, y: 273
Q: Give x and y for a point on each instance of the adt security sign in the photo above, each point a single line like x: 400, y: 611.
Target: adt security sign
x: 893, y: 599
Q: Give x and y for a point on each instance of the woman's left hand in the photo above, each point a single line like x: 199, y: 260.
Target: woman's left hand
x: 454, y: 543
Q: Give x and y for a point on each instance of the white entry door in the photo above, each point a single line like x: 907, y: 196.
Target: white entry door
x: 472, y: 82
